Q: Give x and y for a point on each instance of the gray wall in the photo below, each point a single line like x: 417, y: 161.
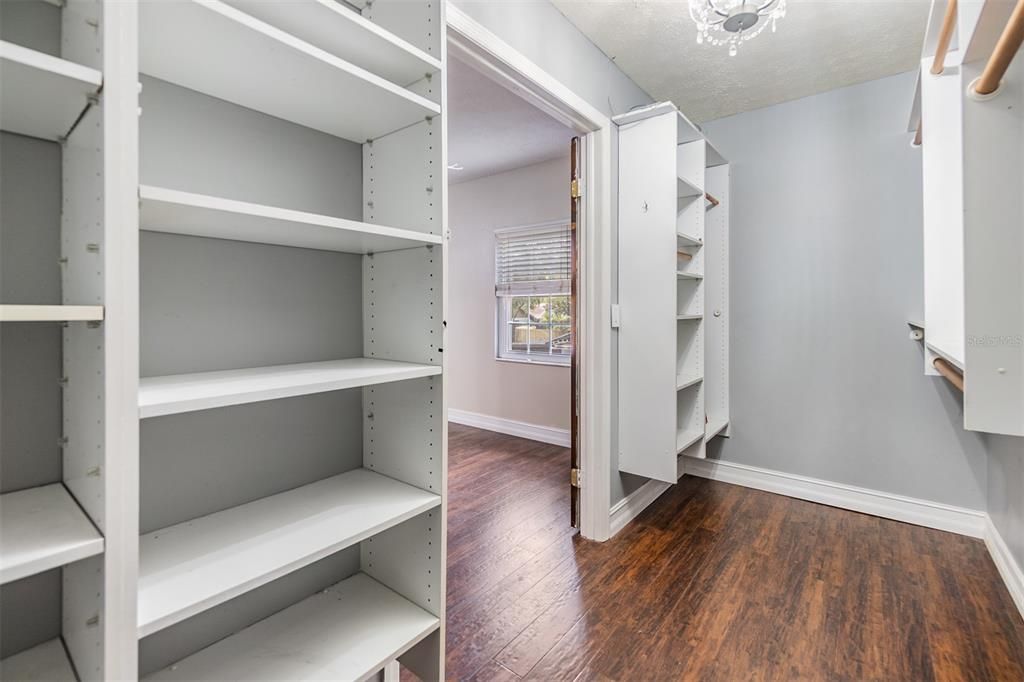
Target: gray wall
x: 1006, y: 490
x: 826, y: 268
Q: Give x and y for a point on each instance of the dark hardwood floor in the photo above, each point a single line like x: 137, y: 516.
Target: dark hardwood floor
x: 712, y: 582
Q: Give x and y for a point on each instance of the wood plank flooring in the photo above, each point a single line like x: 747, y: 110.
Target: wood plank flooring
x: 712, y: 582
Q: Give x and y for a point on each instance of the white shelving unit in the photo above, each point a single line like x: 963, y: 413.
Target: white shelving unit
x: 42, y: 95
x: 190, y: 567
x: 288, y: 159
x: 200, y: 45
x: 347, y: 632
x: 187, y: 213
x: 51, y: 313
x: 206, y: 390
x: 68, y: 104
x: 673, y: 270
x: 43, y: 528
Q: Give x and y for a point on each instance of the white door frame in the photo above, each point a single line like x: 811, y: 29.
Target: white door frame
x: 475, y: 44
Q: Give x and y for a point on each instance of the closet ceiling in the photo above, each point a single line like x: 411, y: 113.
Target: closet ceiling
x: 492, y: 130
x: 819, y: 45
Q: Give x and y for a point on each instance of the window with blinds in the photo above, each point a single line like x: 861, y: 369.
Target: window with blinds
x: 532, y: 286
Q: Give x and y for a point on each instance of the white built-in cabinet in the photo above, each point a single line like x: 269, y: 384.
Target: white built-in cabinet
x: 673, y: 292
x: 251, y: 478
x: 972, y: 154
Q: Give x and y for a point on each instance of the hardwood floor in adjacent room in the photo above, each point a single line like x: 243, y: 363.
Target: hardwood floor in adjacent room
x: 712, y: 582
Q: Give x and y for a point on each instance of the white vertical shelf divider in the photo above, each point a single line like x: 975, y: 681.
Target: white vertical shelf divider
x: 673, y: 272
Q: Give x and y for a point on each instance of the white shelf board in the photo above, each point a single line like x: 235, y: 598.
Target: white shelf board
x: 42, y: 95
x: 686, y: 382
x: 199, y: 215
x: 43, y: 528
x: 50, y: 313
x: 687, y: 438
x: 46, y: 662
x: 681, y: 274
x: 331, y: 26
x: 192, y: 566
x: 213, y: 48
x: 689, y: 240
x: 689, y: 317
x: 714, y: 427
x: 206, y: 390
x: 687, y: 188
x: 946, y: 355
x: 347, y: 632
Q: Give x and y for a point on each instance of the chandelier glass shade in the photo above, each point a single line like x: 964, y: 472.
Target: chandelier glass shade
x: 732, y: 22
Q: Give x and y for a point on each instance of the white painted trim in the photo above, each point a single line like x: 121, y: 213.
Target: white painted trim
x: 511, y: 427
x: 479, y: 47
x: 629, y: 507
x: 945, y: 517
x: 1007, y: 566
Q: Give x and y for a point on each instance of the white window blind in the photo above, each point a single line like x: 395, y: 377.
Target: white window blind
x: 534, y: 260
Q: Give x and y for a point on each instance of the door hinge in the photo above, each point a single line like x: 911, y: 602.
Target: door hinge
x: 574, y: 189
x: 576, y: 478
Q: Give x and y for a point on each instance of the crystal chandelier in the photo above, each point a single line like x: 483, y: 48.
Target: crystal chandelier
x: 731, y: 22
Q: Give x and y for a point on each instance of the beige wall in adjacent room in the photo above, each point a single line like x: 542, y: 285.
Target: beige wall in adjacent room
x: 477, y: 382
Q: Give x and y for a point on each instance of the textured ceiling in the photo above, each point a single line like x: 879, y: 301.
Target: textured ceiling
x: 491, y: 130
x: 820, y: 45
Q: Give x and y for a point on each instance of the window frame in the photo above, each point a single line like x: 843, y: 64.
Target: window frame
x: 503, y: 303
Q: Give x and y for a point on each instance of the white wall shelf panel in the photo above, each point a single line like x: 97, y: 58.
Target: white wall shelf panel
x: 714, y: 428
x: 687, y: 438
x: 199, y: 215
x: 178, y: 393
x: 331, y: 26
x: 347, y: 632
x: 43, y: 528
x: 682, y: 318
x: 192, y: 566
x: 689, y: 240
x: 215, y: 49
x: 686, y: 188
x: 42, y: 95
x: 51, y: 313
x: 46, y: 662
x: 686, y: 382
x: 682, y: 274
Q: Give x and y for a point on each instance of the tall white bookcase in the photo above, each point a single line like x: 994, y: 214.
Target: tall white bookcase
x: 253, y: 252
x: 673, y: 291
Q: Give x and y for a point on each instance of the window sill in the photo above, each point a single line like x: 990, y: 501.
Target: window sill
x: 532, y: 361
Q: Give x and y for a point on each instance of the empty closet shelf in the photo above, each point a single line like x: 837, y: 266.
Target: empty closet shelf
x: 687, y: 188
x: 50, y: 313
x: 215, y: 49
x: 714, y: 427
x: 330, y: 25
x: 688, y: 240
x: 42, y: 95
x: 192, y: 566
x: 688, y: 275
x: 206, y: 390
x: 199, y: 215
x: 347, y: 632
x: 687, y: 438
x: 43, y: 528
x: 47, y: 661
x: 689, y: 317
x: 686, y: 382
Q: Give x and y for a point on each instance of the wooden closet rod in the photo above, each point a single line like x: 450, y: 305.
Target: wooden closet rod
x: 1006, y: 48
x: 947, y: 370
x: 945, y: 36
x: 917, y: 135
x: 714, y: 201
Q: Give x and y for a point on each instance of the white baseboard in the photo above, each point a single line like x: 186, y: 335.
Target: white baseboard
x: 627, y: 509
x: 544, y: 434
x: 1008, y: 567
x: 960, y: 520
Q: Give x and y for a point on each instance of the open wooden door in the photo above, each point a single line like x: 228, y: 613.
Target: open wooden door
x: 574, y: 214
